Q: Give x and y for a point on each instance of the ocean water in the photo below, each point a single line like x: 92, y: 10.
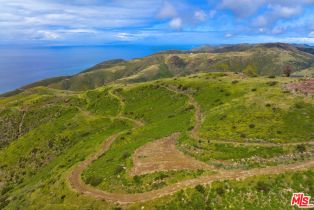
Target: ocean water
x: 23, y: 65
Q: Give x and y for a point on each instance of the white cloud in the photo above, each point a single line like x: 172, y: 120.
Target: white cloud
x: 278, y: 30
x: 48, y: 35
x: 175, y: 23
x: 167, y: 11
x: 242, y: 8
x: 40, y: 14
x: 124, y: 36
x: 261, y: 30
x: 285, y: 11
x: 260, y: 21
x: 77, y: 30
x: 200, y: 15
x: 228, y: 35
x: 311, y: 34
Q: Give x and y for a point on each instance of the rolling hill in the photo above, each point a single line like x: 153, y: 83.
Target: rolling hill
x: 222, y: 135
x: 198, y: 129
x: 266, y: 59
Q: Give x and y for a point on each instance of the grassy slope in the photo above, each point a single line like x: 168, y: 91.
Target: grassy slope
x: 162, y: 112
x: 267, y: 59
x: 34, y: 167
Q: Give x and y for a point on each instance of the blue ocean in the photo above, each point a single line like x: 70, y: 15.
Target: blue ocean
x: 23, y: 65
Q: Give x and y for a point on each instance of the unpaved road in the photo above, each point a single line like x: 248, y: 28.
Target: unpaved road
x: 123, y: 198
x: 162, y: 155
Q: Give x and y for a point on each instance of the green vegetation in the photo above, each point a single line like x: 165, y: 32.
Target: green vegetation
x: 163, y: 114
x: 46, y: 132
x: 261, y: 192
x: 260, y: 59
x: 250, y: 70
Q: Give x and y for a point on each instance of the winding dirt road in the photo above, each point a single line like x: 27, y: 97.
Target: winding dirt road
x: 122, y: 198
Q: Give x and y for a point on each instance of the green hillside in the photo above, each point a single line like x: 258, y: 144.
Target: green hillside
x: 66, y: 149
x: 265, y: 59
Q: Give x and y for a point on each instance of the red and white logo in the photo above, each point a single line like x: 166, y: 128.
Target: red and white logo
x: 301, y: 200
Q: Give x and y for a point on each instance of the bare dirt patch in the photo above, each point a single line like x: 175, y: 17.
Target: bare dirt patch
x: 162, y: 155
x: 305, y: 87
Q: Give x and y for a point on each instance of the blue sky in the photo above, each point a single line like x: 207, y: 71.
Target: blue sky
x: 155, y: 22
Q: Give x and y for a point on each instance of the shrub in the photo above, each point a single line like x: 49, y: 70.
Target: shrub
x: 158, y: 185
x: 137, y: 179
x: 184, y: 88
x: 162, y: 176
x: 4, y: 201
x: 125, y: 155
x: 272, y: 83
x: 118, y: 170
x: 252, y: 126
x: 200, y: 188
x: 262, y: 186
x: 223, y: 117
x: 235, y: 82
x: 250, y: 70
x: 220, y: 191
x: 299, y: 105
x: 253, y: 89
x: 301, y: 148
x: 62, y: 197
x: 93, y: 180
x: 272, y: 76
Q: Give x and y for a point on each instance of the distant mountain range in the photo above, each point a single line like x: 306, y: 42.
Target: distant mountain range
x: 267, y: 59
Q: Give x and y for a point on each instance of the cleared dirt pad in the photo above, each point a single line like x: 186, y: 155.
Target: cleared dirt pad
x: 162, y: 155
x: 306, y: 87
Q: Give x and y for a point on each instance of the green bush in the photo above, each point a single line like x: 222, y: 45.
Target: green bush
x: 272, y: 83
x: 93, y: 180
x: 220, y: 191
x: 301, y: 148
x: 118, y: 170
x: 250, y: 70
x: 137, y: 179
x: 200, y: 188
x: 263, y: 186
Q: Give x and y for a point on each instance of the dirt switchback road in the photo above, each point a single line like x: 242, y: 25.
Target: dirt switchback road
x: 77, y: 183
x: 123, y: 198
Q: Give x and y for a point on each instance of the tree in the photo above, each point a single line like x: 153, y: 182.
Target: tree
x: 250, y: 70
x: 287, y: 70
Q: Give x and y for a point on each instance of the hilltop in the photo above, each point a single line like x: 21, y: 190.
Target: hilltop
x: 265, y: 59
